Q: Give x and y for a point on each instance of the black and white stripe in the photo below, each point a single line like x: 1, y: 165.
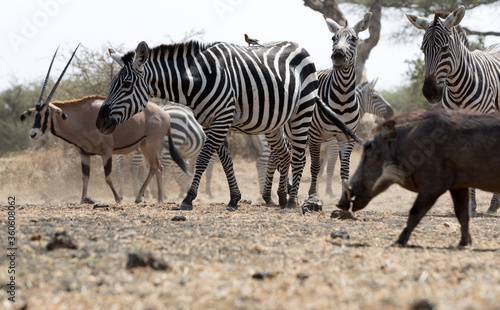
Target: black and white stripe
x: 337, y: 87
x: 472, y: 78
x: 250, y: 90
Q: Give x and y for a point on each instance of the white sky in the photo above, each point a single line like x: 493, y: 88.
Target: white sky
x: 31, y: 30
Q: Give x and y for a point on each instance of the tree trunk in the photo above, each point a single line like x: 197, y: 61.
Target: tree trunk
x: 330, y: 9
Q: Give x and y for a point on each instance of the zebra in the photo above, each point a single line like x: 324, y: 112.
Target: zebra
x: 188, y: 137
x: 268, y: 89
x: 369, y: 100
x: 337, y: 87
x: 472, y: 78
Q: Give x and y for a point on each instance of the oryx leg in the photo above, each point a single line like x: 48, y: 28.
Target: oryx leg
x: 85, y: 162
x: 150, y: 153
x: 107, y: 161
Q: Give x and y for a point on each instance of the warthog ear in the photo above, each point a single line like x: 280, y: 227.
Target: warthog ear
x: 388, y: 130
x: 58, y: 111
x: 27, y: 114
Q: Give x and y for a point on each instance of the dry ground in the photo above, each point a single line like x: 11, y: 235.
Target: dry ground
x: 256, y: 258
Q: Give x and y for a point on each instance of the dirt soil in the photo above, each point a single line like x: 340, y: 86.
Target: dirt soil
x: 154, y: 256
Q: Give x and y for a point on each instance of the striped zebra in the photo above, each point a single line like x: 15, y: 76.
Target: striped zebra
x: 188, y: 137
x: 369, y: 100
x: 268, y: 89
x: 472, y: 78
x: 337, y: 87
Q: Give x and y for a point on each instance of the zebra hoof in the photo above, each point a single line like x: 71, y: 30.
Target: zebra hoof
x: 186, y: 206
x: 493, y: 208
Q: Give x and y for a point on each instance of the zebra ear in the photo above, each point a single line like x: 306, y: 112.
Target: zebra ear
x: 116, y: 57
x: 363, y: 24
x: 141, y: 54
x: 418, y: 22
x: 332, y: 25
x: 454, y: 18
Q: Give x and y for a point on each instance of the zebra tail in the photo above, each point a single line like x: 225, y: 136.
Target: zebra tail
x: 174, y: 153
x: 336, y: 121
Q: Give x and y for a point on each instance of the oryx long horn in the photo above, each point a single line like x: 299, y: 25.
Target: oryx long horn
x: 61, y: 76
x: 47, y: 78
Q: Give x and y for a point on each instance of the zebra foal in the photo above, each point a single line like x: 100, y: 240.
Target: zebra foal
x: 472, y: 78
x: 270, y: 90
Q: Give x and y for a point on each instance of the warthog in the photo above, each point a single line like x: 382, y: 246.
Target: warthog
x: 429, y: 152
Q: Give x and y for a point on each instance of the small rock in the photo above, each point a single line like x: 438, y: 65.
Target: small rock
x: 35, y: 237
x: 179, y: 218
x: 262, y: 275
x: 342, y: 215
x: 146, y: 260
x: 61, y: 240
x: 312, y: 204
x: 100, y: 206
x: 423, y: 304
x: 342, y: 233
x: 245, y: 201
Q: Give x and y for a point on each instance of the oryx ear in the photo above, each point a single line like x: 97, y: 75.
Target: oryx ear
x: 332, y: 25
x: 388, y: 130
x: 58, y: 111
x: 454, y: 18
x: 27, y: 114
x: 363, y: 24
x: 418, y: 22
x: 116, y: 56
x: 141, y: 54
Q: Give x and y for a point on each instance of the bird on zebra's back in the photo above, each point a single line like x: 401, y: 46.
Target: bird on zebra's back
x: 68, y: 120
x: 251, y: 41
x: 211, y: 79
x: 472, y: 78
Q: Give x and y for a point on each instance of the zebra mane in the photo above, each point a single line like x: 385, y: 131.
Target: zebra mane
x: 77, y: 101
x: 192, y: 47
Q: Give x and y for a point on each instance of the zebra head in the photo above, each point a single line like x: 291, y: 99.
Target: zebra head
x: 345, y: 41
x: 372, y: 101
x: 128, y: 93
x: 436, y: 49
x: 43, y: 108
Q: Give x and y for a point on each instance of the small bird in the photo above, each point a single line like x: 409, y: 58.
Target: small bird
x: 251, y: 41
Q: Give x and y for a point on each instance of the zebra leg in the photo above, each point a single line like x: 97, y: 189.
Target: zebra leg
x: 333, y: 153
x: 314, y: 150
x: 345, y: 158
x: 268, y: 175
x: 227, y: 165
x: 472, y: 202
x: 213, y: 142
x: 208, y: 177
x: 107, y: 161
x: 85, y: 161
x: 495, y: 203
x: 262, y: 164
x: 120, y: 160
x: 280, y: 150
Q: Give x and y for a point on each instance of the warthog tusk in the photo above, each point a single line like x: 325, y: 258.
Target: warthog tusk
x: 347, y: 191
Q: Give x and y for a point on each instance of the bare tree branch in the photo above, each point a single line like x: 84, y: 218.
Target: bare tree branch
x: 329, y: 8
x: 481, y: 33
